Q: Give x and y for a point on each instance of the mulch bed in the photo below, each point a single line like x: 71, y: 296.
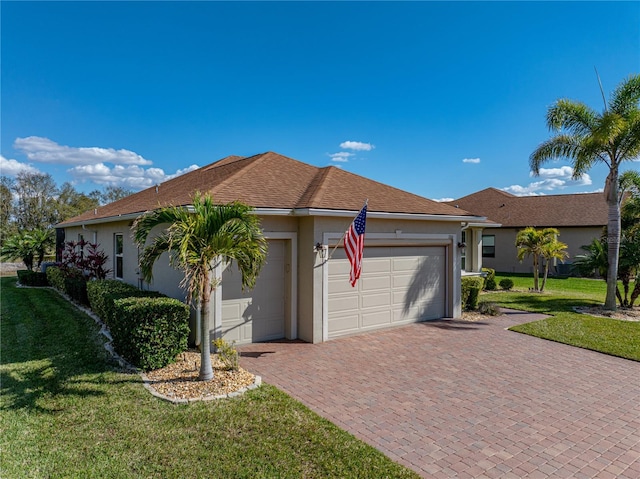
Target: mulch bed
x: 180, y: 379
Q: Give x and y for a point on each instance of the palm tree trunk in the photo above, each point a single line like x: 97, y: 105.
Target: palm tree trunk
x: 613, y: 238
x: 544, y: 278
x: 536, y: 273
x: 635, y: 293
x: 206, y: 370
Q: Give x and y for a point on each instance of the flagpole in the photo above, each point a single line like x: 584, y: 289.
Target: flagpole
x: 341, y: 240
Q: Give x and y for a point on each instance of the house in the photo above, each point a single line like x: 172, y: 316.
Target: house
x: 579, y: 218
x: 412, y: 255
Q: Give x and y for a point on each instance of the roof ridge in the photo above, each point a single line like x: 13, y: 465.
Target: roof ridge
x: 315, y: 187
x: 251, y: 162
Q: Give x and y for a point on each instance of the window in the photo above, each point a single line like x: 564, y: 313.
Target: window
x: 118, y: 248
x: 463, y: 255
x: 488, y: 246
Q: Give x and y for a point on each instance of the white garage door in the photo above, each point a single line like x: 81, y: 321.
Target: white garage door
x: 398, y: 285
x: 258, y: 314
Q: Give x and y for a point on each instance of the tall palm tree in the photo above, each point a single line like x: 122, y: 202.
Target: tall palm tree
x: 198, y: 238
x: 552, y: 250
x: 531, y: 242
x: 587, y: 137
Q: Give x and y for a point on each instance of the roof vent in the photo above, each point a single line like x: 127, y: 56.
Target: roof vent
x: 157, y: 188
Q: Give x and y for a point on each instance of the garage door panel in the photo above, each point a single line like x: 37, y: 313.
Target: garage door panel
x: 344, y: 303
x: 376, y: 265
x: 380, y: 318
x: 257, y: 314
x: 345, y: 324
x: 375, y: 300
x: 340, y: 284
x: 398, y: 285
x: 373, y: 283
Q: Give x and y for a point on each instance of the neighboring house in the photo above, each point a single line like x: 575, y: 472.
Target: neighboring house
x: 412, y: 255
x: 578, y: 217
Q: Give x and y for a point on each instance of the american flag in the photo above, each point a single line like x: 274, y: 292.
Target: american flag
x: 354, y: 244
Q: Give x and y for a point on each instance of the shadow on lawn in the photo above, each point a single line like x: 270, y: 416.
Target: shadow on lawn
x: 50, y: 352
x: 539, y: 302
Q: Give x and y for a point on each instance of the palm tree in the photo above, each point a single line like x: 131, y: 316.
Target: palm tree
x: 629, y: 267
x: 29, y: 246
x: 198, y: 238
x: 531, y: 242
x: 593, y: 261
x: 552, y: 250
x: 587, y: 137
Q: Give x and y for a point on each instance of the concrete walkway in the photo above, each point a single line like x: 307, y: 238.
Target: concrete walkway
x: 471, y: 400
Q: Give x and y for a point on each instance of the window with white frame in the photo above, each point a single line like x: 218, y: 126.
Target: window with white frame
x: 463, y: 254
x: 118, y: 248
x: 488, y: 246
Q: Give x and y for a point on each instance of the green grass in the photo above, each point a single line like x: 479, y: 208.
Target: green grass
x: 67, y: 412
x: 610, y: 336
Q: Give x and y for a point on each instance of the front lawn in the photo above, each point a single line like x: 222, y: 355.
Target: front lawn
x: 610, y: 336
x: 67, y: 412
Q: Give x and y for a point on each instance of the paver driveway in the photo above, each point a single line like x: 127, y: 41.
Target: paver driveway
x: 460, y: 399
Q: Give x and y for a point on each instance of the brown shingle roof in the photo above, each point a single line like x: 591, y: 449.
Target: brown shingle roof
x: 271, y: 180
x: 587, y: 209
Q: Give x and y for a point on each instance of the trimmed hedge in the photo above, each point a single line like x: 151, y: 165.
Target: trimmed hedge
x: 489, y: 279
x: 150, y: 332
x: 75, y: 285
x: 98, y: 290
x: 506, y: 283
x: 104, y: 292
x: 471, y: 286
x: 55, y: 276
x: 32, y: 278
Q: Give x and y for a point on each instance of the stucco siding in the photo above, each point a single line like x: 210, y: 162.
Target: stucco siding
x: 506, y: 254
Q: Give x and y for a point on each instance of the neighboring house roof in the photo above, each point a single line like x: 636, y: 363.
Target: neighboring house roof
x: 271, y: 180
x: 586, y: 209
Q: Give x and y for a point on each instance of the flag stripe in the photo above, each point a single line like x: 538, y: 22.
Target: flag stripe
x: 354, y: 245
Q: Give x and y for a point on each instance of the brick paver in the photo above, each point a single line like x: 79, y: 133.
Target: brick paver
x: 460, y: 399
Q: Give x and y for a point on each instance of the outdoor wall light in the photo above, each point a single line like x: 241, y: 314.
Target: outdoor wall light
x: 462, y: 245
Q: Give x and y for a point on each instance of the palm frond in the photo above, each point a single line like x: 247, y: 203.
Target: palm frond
x: 626, y: 96
x: 559, y: 146
x: 571, y: 116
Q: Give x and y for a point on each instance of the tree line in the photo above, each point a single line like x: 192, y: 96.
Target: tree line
x: 33, y: 201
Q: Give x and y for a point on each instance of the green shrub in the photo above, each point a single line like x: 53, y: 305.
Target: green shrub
x: 490, y: 285
x: 489, y: 308
x: 55, y: 276
x: 227, y: 353
x: 490, y: 274
x: 32, y: 278
x: 150, y: 332
x: 97, y: 292
x: 506, y: 284
x: 75, y: 286
x: 471, y: 286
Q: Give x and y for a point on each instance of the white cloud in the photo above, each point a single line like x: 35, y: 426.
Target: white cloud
x: 341, y: 157
x: 356, y: 145
x: 131, y: 176
x: 564, y: 173
x: 551, y: 179
x: 45, y: 150
x: 13, y: 167
x: 471, y: 160
x: 182, y: 172
x: 442, y: 200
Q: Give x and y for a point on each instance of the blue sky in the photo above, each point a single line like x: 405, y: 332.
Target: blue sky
x: 441, y: 99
